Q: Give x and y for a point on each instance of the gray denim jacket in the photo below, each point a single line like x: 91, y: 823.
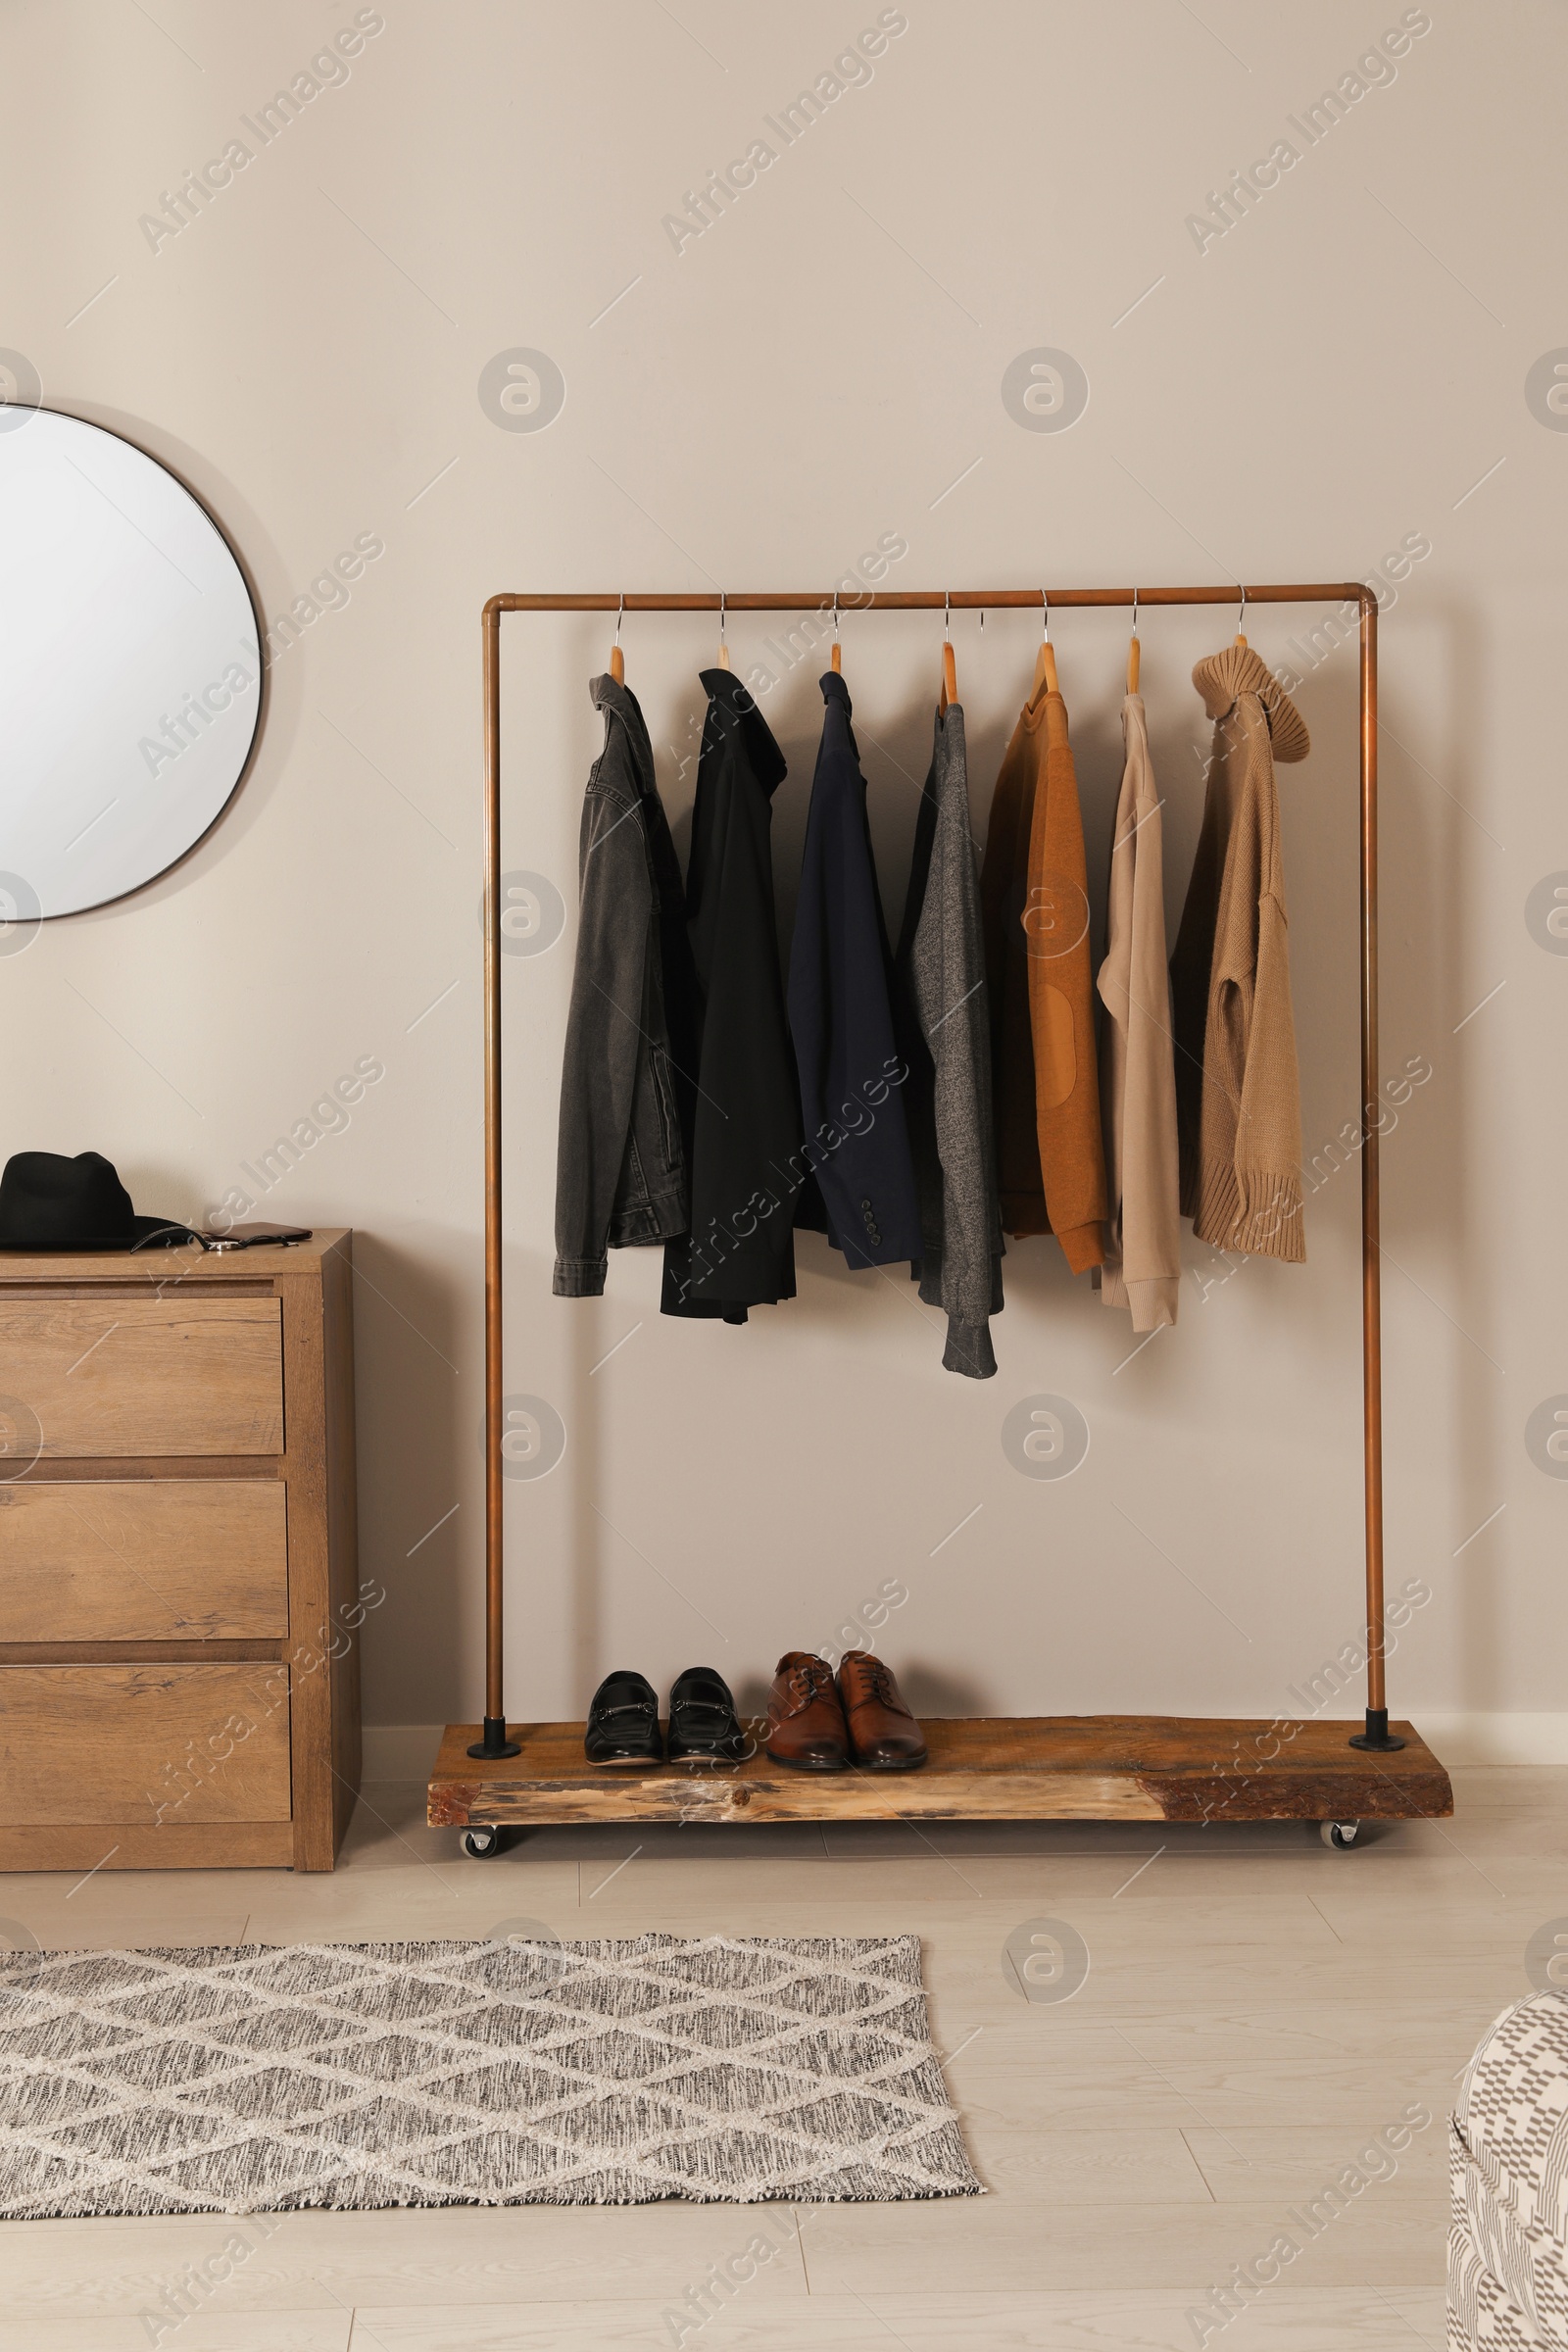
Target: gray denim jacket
x: 620, y: 1170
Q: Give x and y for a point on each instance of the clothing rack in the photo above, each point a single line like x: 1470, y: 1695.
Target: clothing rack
x: 1153, y: 1767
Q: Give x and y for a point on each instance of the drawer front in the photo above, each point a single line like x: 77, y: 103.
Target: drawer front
x: 149, y: 1560
x: 137, y: 1746
x: 144, y: 1376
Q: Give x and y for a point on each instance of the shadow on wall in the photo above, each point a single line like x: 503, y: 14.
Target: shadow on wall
x: 418, y: 1488
x: 936, y: 1691
x: 929, y: 1690
x: 1442, y: 925
x: 1424, y: 849
x: 591, y: 1532
x: 1434, y: 861
x: 1437, y: 866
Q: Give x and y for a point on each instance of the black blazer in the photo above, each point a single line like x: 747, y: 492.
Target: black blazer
x: 841, y: 1017
x: 745, y: 1150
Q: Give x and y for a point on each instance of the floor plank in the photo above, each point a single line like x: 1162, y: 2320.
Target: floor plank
x: 1120, y: 2320
x: 1388, y: 2238
x: 201, y: 2332
x: 1256, y: 2009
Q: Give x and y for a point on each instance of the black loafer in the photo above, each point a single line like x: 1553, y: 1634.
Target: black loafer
x: 702, y: 1722
x: 623, y: 1722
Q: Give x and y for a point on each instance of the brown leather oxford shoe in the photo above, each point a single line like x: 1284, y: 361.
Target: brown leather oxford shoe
x: 884, y: 1736
x: 806, y: 1725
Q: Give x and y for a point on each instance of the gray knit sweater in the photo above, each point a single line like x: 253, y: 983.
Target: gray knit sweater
x: 940, y: 962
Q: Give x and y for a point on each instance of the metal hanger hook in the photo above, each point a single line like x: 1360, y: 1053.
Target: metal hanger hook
x: 835, y: 612
x: 1134, y: 611
x: 1044, y: 619
x: 947, y: 615
x: 620, y: 614
x: 721, y: 617
x: 1241, y: 617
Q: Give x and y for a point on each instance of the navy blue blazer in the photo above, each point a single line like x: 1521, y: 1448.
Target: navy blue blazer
x: 841, y: 1018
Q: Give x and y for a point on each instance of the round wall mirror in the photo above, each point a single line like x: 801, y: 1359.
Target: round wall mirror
x: 131, y: 668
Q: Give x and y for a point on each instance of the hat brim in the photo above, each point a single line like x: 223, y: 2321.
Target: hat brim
x: 153, y: 1233
x: 146, y: 1233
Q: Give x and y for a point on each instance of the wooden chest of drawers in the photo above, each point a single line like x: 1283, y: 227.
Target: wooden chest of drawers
x: 181, y: 1607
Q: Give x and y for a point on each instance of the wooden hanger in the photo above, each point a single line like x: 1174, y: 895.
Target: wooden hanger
x: 723, y: 649
x: 1240, y: 620
x: 837, y: 655
x: 950, y: 669
x: 1132, y: 651
x: 1046, y: 658
x: 617, y: 659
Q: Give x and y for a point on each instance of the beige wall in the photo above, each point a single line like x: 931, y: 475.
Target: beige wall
x: 822, y: 366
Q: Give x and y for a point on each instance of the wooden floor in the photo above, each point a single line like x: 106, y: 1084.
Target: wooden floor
x: 1257, y: 2009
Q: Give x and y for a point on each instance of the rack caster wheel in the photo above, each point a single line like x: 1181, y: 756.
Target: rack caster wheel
x: 1341, y: 1835
x: 481, y: 1845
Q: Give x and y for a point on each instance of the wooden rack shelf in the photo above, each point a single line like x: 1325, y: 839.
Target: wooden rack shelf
x: 1003, y: 1768
x: 1106, y: 1766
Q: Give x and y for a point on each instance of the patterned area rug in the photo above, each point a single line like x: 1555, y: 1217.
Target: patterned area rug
x: 255, y: 2078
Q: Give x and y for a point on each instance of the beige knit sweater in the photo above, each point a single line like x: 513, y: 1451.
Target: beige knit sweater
x: 1143, y: 1234
x: 1237, y: 1095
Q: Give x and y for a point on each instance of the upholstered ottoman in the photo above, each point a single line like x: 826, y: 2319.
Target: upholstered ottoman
x: 1508, y: 2145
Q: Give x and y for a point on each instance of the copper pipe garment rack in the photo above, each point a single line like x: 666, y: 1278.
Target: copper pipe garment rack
x: 1154, y: 1767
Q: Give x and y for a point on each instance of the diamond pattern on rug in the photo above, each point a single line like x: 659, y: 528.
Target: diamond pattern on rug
x: 252, y: 2077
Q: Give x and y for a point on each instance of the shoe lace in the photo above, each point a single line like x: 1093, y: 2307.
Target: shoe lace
x: 867, y: 1681
x: 810, y: 1682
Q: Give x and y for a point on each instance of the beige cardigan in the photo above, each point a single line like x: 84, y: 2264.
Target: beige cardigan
x: 1237, y: 1097
x: 1143, y: 1234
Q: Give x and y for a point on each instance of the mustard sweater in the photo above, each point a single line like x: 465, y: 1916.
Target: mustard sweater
x: 1051, y: 1161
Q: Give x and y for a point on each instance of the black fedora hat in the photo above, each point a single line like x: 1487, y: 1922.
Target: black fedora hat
x: 50, y: 1203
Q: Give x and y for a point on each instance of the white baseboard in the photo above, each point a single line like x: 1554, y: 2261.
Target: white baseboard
x: 407, y: 1752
